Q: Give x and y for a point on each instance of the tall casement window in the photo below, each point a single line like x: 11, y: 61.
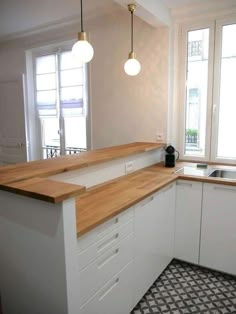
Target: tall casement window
x: 208, y: 102
x: 60, y: 103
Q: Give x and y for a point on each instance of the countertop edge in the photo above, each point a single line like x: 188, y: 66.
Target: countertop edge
x: 44, y: 189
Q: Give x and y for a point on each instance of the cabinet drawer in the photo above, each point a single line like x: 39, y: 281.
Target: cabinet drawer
x: 101, y: 231
x: 100, y: 247
x: 93, y: 277
x: 115, y: 297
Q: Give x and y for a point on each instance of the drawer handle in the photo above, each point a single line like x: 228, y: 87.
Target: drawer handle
x: 218, y: 188
x: 103, y: 261
x: 107, y: 242
x: 148, y: 200
x: 116, y: 220
x: 108, y: 289
x: 185, y: 184
x: 169, y: 187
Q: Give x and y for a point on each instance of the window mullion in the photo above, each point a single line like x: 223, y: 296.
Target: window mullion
x: 60, y: 115
x: 210, y: 97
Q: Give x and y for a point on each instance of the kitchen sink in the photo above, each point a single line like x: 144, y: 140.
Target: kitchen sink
x: 227, y: 174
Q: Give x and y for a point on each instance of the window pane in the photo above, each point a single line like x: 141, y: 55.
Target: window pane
x: 46, y: 98
x: 68, y: 62
x: 71, y: 94
x: 46, y: 64
x: 50, y: 137
x: 227, y: 107
x: 46, y: 81
x: 72, y: 77
x: 75, y: 133
x: 196, y: 92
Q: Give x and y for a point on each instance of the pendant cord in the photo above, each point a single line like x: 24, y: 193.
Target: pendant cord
x: 132, y: 31
x: 81, y: 18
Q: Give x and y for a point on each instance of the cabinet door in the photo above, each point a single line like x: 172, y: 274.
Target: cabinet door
x: 188, y: 220
x: 166, y: 226
x: 154, y: 230
x: 218, y: 236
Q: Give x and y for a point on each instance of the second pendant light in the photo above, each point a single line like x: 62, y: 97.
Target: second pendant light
x: 132, y: 66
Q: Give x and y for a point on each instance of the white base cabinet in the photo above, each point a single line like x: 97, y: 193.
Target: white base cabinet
x: 154, y: 238
x: 120, y: 259
x: 115, y: 297
x: 188, y: 220
x: 218, y: 235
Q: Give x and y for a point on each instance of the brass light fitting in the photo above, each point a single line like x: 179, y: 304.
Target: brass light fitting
x: 132, y: 66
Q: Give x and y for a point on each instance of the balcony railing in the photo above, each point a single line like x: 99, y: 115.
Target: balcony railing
x: 191, y: 139
x: 55, y: 151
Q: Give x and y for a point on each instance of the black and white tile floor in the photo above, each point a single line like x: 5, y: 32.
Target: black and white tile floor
x: 184, y: 288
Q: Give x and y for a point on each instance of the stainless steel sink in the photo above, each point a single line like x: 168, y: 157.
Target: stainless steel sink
x: 227, y: 174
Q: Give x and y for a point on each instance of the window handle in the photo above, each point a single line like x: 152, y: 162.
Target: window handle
x: 214, y: 108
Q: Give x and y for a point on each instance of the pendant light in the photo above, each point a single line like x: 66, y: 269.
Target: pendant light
x: 132, y: 66
x: 82, y: 49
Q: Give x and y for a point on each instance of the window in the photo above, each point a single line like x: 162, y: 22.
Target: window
x: 209, y: 100
x: 60, y: 101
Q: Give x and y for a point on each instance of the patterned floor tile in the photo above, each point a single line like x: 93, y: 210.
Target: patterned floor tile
x: 184, y: 288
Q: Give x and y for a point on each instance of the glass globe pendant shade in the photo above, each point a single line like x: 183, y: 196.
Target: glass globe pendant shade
x: 82, y: 50
x: 132, y: 66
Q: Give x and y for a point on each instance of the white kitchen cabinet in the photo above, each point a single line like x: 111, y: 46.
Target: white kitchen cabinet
x: 154, y: 238
x: 218, y: 235
x: 103, y: 258
x: 115, y: 297
x: 188, y: 220
x: 98, y: 273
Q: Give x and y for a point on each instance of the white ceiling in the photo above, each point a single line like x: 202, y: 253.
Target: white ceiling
x: 21, y: 15
x: 18, y: 16
x: 179, y: 3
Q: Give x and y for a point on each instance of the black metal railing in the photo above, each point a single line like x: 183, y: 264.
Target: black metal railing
x: 55, y: 151
x: 191, y: 139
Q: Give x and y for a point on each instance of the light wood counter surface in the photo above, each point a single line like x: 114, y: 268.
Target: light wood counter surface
x: 27, y: 178
x: 105, y: 201
x: 49, y: 167
x: 44, y: 189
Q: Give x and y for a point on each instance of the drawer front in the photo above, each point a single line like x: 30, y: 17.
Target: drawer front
x: 93, y: 277
x: 102, y: 246
x: 101, y: 231
x: 116, y: 297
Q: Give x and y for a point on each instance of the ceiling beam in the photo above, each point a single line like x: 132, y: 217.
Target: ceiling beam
x: 154, y: 12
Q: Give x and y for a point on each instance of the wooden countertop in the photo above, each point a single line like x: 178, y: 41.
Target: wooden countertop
x: 105, y: 201
x: 44, y: 189
x: 49, y: 167
x: 27, y: 178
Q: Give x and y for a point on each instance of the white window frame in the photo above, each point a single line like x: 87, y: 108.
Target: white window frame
x: 214, y: 67
x: 216, y: 96
x: 34, y: 128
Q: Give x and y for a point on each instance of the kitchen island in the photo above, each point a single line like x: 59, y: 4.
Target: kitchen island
x: 39, y: 216
x: 76, y: 230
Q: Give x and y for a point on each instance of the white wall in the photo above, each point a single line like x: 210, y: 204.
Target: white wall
x: 124, y: 109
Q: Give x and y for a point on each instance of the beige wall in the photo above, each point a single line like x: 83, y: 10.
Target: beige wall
x: 123, y: 108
